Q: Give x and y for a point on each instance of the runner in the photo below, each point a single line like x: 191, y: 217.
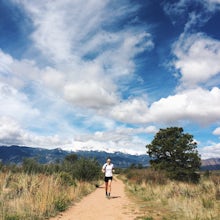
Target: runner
x: 108, y: 169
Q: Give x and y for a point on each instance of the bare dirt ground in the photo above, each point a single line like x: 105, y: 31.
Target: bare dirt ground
x: 96, y: 206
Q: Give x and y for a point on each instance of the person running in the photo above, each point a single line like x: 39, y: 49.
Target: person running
x: 108, y: 170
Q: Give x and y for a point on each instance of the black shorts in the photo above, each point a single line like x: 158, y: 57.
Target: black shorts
x: 108, y: 178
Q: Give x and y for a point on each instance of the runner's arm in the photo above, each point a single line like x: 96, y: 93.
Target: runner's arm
x: 113, y: 169
x: 103, y: 168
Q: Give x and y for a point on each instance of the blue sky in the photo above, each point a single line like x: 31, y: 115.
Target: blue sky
x: 107, y: 75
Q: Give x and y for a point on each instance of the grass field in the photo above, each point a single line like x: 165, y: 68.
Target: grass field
x: 163, y: 199
x: 38, y: 196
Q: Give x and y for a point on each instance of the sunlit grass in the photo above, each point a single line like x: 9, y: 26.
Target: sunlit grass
x: 176, y: 200
x: 37, y: 196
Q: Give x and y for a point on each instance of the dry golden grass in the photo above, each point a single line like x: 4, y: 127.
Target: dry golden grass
x: 178, y: 200
x: 37, y: 196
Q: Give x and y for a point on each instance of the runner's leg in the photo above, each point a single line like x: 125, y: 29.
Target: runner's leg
x: 109, y: 187
x: 106, y: 188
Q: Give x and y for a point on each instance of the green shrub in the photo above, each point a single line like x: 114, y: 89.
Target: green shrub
x: 67, y: 179
x: 148, y: 218
x: 13, y: 217
x: 61, y: 204
x: 30, y: 165
x: 86, y: 169
x: 70, y: 169
x: 207, y: 174
x: 207, y: 203
x: 71, y: 158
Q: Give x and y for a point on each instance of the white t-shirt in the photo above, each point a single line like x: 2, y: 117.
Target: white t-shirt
x: 108, y: 169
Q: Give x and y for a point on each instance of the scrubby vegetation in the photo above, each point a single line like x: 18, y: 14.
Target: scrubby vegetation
x: 35, y: 191
x: 160, y: 198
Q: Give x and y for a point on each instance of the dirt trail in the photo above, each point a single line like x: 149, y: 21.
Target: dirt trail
x: 96, y: 206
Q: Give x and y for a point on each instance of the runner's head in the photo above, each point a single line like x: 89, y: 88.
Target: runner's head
x: 108, y: 160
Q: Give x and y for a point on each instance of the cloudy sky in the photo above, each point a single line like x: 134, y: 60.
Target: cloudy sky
x: 107, y: 75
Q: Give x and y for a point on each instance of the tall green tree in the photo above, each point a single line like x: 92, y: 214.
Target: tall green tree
x: 175, y: 153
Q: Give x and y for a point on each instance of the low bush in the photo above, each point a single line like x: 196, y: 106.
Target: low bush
x: 72, y: 168
x: 67, y: 179
x: 146, y: 176
x: 86, y: 170
x: 61, y: 204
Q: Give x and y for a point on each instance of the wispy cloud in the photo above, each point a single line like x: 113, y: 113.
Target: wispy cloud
x: 191, y: 14
x: 89, y: 53
x: 80, y: 79
x: 15, y: 104
x: 86, y: 64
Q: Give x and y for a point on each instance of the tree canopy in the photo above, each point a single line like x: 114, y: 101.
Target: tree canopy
x: 176, y: 153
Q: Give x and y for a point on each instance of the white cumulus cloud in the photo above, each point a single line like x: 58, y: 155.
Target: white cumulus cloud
x: 199, y: 105
x: 217, y: 131
x: 197, y: 59
x: 133, y: 110
x: 210, y: 151
x: 11, y: 133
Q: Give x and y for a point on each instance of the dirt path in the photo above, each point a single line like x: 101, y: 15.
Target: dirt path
x: 97, y: 207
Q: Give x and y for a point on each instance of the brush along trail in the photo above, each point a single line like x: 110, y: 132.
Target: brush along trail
x: 96, y: 206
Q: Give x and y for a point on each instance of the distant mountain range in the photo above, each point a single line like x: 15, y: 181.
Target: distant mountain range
x: 16, y: 154
x: 211, y: 164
